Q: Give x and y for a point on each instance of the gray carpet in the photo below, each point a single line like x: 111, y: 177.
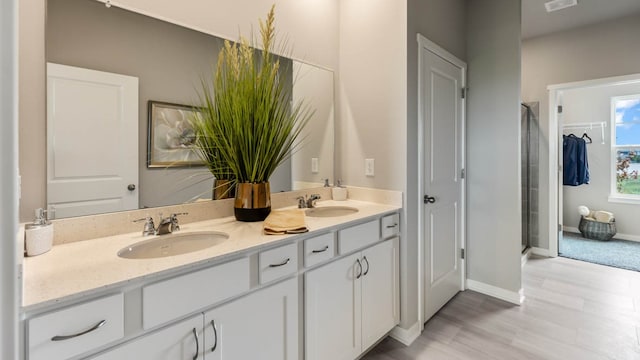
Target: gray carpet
x: 617, y: 253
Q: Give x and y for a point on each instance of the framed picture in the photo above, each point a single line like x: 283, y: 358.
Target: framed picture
x: 170, y: 140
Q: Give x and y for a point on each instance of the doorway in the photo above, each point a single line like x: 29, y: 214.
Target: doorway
x: 441, y: 86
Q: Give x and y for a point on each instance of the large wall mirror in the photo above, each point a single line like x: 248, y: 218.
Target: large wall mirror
x: 169, y: 62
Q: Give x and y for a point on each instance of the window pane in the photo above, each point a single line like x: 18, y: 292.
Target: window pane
x: 627, y: 171
x: 628, y: 122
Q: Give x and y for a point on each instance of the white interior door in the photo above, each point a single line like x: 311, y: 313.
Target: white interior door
x: 92, y: 141
x: 441, y: 115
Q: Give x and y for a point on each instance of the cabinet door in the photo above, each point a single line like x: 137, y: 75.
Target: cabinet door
x: 262, y: 325
x: 380, y: 291
x: 175, y: 342
x: 332, y: 311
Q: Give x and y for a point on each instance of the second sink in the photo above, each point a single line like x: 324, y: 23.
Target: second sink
x: 331, y: 211
x: 173, y: 244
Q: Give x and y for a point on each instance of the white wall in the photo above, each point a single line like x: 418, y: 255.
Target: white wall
x: 493, y: 144
x: 594, y: 105
x: 8, y: 179
x: 592, y: 52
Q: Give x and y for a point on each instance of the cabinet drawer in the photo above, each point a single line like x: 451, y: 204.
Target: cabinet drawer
x: 390, y: 225
x: 359, y: 236
x: 318, y: 249
x: 169, y: 299
x: 72, y: 331
x: 278, y: 262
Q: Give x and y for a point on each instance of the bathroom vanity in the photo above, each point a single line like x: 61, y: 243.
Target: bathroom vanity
x: 330, y: 293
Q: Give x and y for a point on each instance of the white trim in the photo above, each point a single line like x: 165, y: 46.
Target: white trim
x: 622, y: 199
x: 555, y: 123
x: 407, y: 336
x: 618, y: 236
x: 499, y: 293
x: 540, y: 251
x: 525, y: 257
x: 423, y: 42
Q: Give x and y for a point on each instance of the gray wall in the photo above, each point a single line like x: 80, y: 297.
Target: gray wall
x: 594, y: 105
x: 596, y: 51
x: 493, y: 143
x: 443, y: 22
x: 9, y: 333
x: 168, y: 60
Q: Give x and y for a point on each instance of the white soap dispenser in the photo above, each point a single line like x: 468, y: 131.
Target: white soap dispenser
x: 339, y: 192
x: 38, y: 235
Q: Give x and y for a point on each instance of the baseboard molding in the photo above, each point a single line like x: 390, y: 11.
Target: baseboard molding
x: 619, y: 236
x: 496, y: 292
x: 540, y: 251
x: 406, y: 336
x: 525, y: 257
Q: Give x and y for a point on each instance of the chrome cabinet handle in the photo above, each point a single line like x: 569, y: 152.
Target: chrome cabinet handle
x: 195, y: 334
x: 67, y: 337
x: 360, y: 268
x: 215, y: 336
x: 281, y: 264
x: 392, y: 226
x: 321, y: 250
x: 367, y: 261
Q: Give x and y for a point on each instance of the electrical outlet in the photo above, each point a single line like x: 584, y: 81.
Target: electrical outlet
x: 369, y: 167
x: 314, y: 165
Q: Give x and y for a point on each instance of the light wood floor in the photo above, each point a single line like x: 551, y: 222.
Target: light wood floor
x: 573, y: 310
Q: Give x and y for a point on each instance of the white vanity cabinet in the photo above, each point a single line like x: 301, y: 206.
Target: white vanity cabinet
x: 181, y: 341
x: 262, y: 325
x: 351, y: 303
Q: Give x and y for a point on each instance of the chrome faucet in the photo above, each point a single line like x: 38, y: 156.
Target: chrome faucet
x: 307, y: 202
x: 167, y: 225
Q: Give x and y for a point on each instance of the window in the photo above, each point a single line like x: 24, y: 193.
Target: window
x: 625, y: 148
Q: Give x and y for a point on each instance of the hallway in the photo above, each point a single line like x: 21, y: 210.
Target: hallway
x: 572, y: 310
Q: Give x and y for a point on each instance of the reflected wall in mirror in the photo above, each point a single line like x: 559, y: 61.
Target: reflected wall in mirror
x: 169, y: 62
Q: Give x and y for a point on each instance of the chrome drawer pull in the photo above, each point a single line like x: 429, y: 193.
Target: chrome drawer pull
x: 359, y: 268
x: 281, y: 264
x: 67, y: 337
x: 320, y: 251
x: 367, y: 261
x: 392, y: 226
x: 215, y: 336
x: 195, y: 334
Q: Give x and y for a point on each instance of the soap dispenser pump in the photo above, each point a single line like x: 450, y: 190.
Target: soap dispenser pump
x: 39, y: 234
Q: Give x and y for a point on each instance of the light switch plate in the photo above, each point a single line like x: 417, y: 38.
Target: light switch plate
x: 369, y: 167
x: 314, y: 165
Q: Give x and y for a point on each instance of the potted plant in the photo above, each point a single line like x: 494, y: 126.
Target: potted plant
x: 251, y: 124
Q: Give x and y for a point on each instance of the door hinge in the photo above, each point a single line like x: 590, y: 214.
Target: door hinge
x: 462, y: 253
x: 559, y: 109
x: 462, y: 174
x: 463, y: 92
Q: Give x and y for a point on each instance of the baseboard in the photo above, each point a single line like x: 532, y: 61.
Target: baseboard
x: 619, y: 236
x: 496, y: 292
x: 540, y: 251
x: 406, y: 336
x: 525, y: 256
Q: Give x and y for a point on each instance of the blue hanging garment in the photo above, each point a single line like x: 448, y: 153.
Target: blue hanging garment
x: 569, y: 160
x: 583, y: 163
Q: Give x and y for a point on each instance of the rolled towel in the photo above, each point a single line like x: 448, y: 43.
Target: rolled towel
x: 603, y: 216
x: 281, y: 222
x: 583, y: 210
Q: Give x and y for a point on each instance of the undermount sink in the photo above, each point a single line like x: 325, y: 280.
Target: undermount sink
x: 331, y: 211
x: 173, y: 244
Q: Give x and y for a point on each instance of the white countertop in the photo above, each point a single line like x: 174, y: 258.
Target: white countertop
x: 79, y: 269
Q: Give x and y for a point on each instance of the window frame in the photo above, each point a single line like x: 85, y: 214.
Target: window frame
x: 614, y: 195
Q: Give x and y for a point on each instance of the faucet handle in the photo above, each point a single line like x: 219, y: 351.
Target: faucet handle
x: 149, y: 226
x: 326, y: 182
x: 301, y: 202
x: 174, y: 221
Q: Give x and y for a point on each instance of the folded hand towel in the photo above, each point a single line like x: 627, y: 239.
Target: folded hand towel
x: 285, y: 222
x: 603, y: 216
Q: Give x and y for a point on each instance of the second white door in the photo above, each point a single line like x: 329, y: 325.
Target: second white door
x: 441, y: 115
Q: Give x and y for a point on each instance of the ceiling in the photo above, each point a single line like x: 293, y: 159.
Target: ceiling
x: 536, y: 21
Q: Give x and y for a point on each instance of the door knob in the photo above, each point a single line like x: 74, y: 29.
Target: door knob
x: 131, y: 187
x: 429, y: 199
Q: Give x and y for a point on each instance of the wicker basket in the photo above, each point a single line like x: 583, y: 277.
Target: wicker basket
x: 596, y: 230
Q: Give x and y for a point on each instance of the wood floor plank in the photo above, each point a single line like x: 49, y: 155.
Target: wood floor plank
x: 572, y: 310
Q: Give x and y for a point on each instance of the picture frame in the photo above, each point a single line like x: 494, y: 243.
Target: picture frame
x: 170, y: 137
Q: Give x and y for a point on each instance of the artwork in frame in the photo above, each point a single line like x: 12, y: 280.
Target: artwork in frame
x: 170, y: 140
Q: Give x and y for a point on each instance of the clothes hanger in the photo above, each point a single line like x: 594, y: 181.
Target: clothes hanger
x: 588, y: 138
